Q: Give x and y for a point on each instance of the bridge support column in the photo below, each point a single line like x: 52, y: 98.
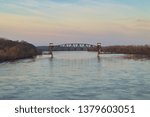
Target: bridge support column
x: 50, y: 49
x: 98, y: 49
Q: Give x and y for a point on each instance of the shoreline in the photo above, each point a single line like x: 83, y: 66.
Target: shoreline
x: 16, y: 50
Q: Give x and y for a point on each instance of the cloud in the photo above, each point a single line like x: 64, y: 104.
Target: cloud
x: 73, y: 19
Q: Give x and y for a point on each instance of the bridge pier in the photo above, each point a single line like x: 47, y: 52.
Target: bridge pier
x: 98, y: 49
x: 50, y: 49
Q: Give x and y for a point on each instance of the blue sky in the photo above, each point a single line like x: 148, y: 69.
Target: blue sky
x: 110, y: 22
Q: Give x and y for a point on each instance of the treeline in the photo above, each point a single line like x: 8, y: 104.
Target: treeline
x: 12, y: 50
x: 139, y: 50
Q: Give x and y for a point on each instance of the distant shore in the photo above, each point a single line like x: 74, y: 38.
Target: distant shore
x: 14, y: 50
x: 132, y: 51
x: 136, y: 51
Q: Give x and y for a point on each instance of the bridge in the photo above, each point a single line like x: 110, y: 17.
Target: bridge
x: 75, y: 47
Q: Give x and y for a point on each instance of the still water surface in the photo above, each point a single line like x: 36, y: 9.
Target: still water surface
x: 75, y: 75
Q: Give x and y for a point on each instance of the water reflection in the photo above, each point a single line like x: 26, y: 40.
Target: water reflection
x: 136, y: 57
x: 51, y: 58
x: 98, y: 58
x: 75, y: 75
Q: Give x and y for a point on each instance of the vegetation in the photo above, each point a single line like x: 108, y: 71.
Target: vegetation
x: 12, y: 50
x: 137, y: 50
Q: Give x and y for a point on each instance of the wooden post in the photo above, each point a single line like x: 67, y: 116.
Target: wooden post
x: 50, y: 49
x: 98, y: 49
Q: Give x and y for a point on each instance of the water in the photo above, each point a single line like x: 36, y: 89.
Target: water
x: 75, y: 75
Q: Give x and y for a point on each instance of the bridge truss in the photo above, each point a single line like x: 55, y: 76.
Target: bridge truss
x: 75, y: 47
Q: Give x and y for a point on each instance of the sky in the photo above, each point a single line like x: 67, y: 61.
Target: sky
x: 111, y: 22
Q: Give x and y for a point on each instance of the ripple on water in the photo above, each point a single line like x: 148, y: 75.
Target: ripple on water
x: 75, y: 75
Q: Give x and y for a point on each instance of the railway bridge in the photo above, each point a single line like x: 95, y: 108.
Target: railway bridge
x: 75, y: 47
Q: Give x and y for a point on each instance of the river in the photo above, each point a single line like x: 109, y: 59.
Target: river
x: 75, y: 75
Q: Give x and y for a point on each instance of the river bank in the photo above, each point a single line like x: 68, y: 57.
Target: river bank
x: 137, y: 51
x: 14, y: 50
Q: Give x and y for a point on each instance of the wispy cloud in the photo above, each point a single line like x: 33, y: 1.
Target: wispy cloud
x: 68, y: 18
